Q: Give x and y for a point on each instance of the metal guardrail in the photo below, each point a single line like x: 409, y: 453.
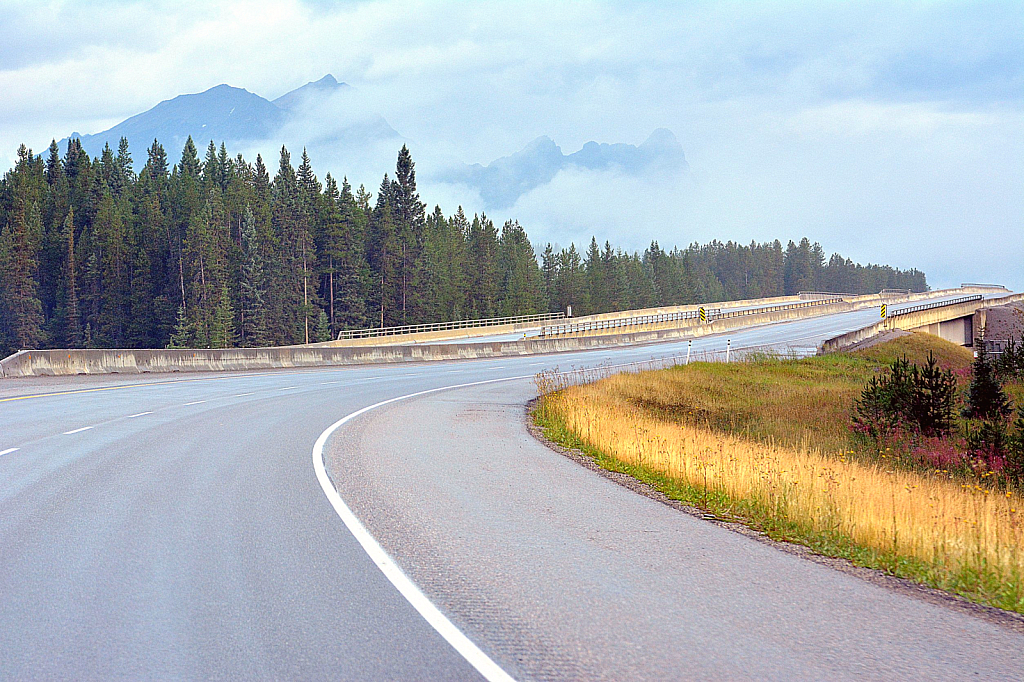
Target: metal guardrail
x: 555, y: 380
x: 823, y: 294
x: 619, y: 323
x: 445, y: 326
x: 985, y: 286
x: 937, y: 304
x: 895, y: 292
x: 571, y: 328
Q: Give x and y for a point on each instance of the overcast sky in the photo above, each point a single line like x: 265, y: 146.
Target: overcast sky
x: 891, y: 132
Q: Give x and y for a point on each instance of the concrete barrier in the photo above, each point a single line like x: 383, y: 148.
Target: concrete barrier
x: 138, y: 361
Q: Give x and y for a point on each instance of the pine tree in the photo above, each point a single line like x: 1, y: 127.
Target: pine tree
x: 485, y: 274
x: 522, y: 285
x: 183, y: 336
x: 72, y: 322
x: 570, y: 289
x: 253, y: 310
x: 597, y: 281
x: 222, y: 325
x: 189, y: 164
x: 549, y: 268
x: 986, y: 398
x: 22, y: 311
x: 323, y: 327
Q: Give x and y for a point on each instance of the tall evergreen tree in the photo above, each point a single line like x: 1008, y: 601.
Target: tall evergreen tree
x: 22, y: 311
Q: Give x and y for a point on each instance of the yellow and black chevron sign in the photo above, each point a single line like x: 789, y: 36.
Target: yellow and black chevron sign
x: 703, y: 315
x: 885, y: 310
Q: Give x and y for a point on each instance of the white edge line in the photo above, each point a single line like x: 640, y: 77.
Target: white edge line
x: 195, y: 402
x: 84, y: 428
x: 490, y: 670
x: 7, y: 451
x: 242, y: 395
x: 140, y: 414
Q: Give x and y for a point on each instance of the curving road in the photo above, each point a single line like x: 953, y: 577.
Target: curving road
x: 173, y: 527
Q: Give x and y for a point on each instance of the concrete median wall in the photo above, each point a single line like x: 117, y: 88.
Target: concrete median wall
x: 128, y: 361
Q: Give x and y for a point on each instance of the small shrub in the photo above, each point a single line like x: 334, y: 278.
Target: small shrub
x: 1014, y: 469
x: 920, y: 398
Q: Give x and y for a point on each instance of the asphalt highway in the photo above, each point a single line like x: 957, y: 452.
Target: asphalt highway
x: 172, y: 526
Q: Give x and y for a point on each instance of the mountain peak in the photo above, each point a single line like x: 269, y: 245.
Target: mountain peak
x: 310, y: 94
x: 504, y: 180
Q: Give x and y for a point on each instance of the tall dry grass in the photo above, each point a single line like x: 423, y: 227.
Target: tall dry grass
x: 961, y: 537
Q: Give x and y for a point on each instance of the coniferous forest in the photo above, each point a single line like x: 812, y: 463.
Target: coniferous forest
x: 216, y: 251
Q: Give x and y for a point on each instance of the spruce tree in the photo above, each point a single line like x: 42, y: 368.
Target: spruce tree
x: 253, y: 311
x: 22, y: 311
x: 985, y: 396
x: 522, y: 285
x: 323, y: 327
x: 72, y: 322
x: 183, y: 335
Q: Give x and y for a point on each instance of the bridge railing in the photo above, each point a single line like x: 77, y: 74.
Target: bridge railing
x: 937, y: 304
x: 823, y: 294
x: 984, y: 286
x: 622, y: 322
x: 710, y: 314
x: 445, y: 326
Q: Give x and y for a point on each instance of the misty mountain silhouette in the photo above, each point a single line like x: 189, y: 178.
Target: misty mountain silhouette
x: 225, y: 114
x: 241, y: 118
x: 501, y: 182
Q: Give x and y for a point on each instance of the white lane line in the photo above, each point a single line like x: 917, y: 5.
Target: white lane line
x: 84, y: 428
x: 195, y: 402
x: 288, y: 388
x: 7, y: 451
x: 328, y: 383
x: 242, y: 395
x: 490, y: 670
x: 140, y: 414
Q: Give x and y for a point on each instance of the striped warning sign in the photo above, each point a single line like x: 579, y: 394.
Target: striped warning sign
x: 703, y: 315
x: 885, y: 311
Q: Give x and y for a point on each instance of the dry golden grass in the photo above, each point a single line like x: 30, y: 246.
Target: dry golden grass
x: 964, y: 538
x: 802, y: 403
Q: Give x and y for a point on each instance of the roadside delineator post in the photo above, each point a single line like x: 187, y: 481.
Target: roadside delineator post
x: 689, y: 346
x: 728, y: 346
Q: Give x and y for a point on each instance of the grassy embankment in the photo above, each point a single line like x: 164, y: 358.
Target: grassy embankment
x: 768, y: 443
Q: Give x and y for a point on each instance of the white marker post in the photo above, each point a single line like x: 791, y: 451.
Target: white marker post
x: 689, y: 346
x: 728, y: 346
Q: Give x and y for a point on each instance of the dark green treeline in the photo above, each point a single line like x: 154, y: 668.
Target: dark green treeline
x: 215, y: 251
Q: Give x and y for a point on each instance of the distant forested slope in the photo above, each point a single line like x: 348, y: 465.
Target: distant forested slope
x: 214, y: 251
